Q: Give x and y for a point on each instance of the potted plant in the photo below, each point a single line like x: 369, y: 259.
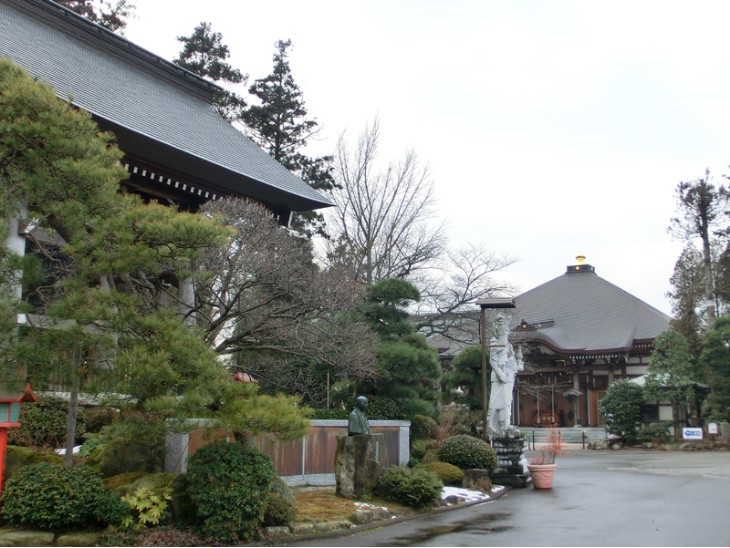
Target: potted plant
x: 542, y: 466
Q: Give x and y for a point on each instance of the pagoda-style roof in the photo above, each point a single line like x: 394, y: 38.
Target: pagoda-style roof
x: 581, y: 315
x: 161, y: 114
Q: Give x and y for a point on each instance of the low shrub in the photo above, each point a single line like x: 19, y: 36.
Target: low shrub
x: 43, y: 424
x: 331, y: 414
x: 99, y: 417
x: 55, y: 498
x: 227, y: 483
x: 423, y: 427
x: 148, y: 507
x: 382, y: 408
x: 419, y: 448
x: 414, y: 487
x: 182, y: 505
x: 447, y: 473
x: 134, y: 444
x: 129, y: 482
x: 431, y: 455
x: 278, y: 510
x: 91, y: 443
x: 280, y: 487
x: 656, y: 432
x: 18, y: 457
x: 468, y: 452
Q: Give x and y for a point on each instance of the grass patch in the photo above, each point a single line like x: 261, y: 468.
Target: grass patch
x: 318, y: 505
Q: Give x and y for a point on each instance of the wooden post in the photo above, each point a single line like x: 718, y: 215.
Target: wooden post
x: 483, y: 337
x: 3, y: 447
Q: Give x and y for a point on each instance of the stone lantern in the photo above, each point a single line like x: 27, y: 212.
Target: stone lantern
x: 9, y: 418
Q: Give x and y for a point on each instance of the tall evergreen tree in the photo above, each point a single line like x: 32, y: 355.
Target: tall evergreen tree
x: 408, y: 369
x: 687, y: 294
x: 279, y: 124
x: 715, y: 359
x: 671, y: 373
x: 702, y: 208
x: 205, y: 54
x: 99, y: 306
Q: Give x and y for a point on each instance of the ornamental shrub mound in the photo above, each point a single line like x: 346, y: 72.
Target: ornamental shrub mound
x: 414, y: 487
x: 447, y: 473
x: 424, y: 427
x: 468, y: 452
x: 622, y: 408
x: 278, y: 510
x: 227, y: 483
x: 55, y: 498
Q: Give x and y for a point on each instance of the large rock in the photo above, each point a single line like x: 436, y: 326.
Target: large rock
x: 359, y: 463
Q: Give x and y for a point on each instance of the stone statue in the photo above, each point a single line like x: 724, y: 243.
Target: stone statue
x: 358, y: 421
x: 505, y: 364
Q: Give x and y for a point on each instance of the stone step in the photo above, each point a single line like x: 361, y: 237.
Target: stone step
x: 569, y: 434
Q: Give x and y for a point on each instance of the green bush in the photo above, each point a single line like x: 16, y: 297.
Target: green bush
x: 419, y: 448
x: 280, y: 487
x: 622, y: 408
x: 43, y: 424
x: 331, y: 414
x: 414, y: 487
x: 382, y: 408
x: 423, y: 427
x: 468, y: 452
x: 431, y: 455
x: 99, y: 417
x: 90, y: 444
x: 56, y: 498
x: 278, y: 510
x: 134, y: 444
x: 656, y: 432
x: 182, y: 506
x: 148, y: 507
x: 18, y: 457
x: 447, y: 473
x: 227, y: 483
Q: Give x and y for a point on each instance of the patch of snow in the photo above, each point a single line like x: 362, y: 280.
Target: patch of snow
x: 366, y: 506
x: 62, y: 451
x: 467, y: 495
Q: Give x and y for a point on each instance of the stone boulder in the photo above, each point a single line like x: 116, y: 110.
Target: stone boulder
x: 359, y: 463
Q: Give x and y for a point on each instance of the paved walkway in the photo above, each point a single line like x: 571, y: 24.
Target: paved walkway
x: 600, y: 498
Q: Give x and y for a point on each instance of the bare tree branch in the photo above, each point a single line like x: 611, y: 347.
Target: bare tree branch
x: 385, y: 218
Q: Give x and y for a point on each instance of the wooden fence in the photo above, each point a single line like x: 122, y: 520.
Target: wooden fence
x: 306, y: 461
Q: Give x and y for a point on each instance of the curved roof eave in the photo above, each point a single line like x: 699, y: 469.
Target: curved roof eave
x: 119, y: 82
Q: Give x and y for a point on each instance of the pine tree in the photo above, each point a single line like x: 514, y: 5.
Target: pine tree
x: 279, y: 124
x: 102, y: 322
x: 409, y: 370
x: 205, y: 54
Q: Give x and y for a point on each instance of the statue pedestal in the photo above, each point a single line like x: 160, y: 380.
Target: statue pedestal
x: 359, y: 463
x: 511, y: 462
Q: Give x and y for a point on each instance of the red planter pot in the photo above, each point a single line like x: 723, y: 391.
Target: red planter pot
x: 542, y: 475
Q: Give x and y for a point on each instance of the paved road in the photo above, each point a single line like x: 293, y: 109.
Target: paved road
x: 599, y: 498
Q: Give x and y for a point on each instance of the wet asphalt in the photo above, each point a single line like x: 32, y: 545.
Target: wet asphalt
x: 599, y: 498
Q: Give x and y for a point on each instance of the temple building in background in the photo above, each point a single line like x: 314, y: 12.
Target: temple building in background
x: 578, y: 334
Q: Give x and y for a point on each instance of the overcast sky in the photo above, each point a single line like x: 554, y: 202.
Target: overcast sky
x: 551, y: 128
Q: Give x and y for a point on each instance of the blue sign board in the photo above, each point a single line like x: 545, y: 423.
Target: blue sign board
x: 692, y: 433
